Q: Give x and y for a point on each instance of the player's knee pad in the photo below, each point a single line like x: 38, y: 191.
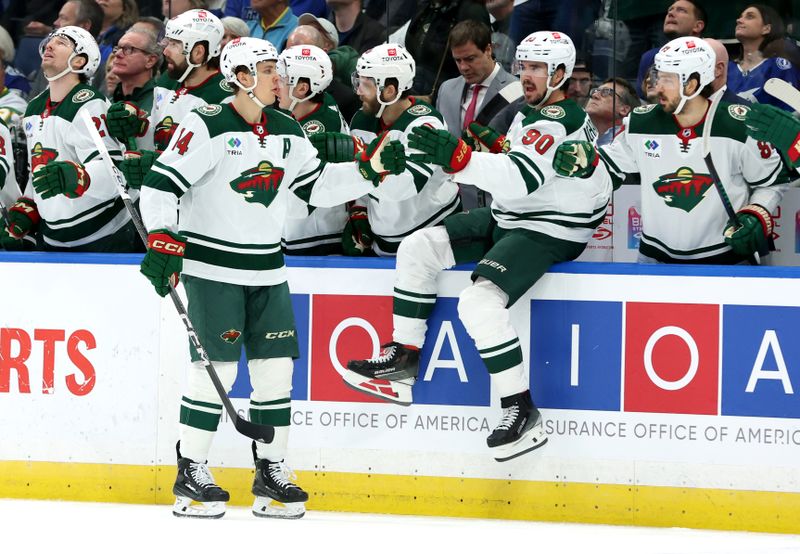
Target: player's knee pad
x: 482, y: 309
x: 426, y: 250
x: 271, y: 378
x: 200, y: 385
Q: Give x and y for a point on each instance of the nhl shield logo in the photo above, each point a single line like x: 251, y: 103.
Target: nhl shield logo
x: 683, y: 189
x: 231, y: 336
x: 259, y: 184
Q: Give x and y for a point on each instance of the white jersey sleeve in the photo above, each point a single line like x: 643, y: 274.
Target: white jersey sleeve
x: 9, y: 190
x: 102, y: 182
x: 761, y: 166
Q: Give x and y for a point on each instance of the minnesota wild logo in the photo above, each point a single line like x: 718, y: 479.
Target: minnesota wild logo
x: 683, y: 189
x: 259, y: 184
x: 41, y: 155
x: 231, y: 336
x: 163, y: 132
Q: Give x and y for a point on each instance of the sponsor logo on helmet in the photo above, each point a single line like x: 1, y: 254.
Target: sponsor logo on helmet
x: 419, y: 109
x: 644, y: 109
x: 683, y: 189
x: 690, y: 44
x: 41, y: 155
x: 553, y: 112
x: 163, y: 132
x: 83, y: 95
x: 737, y: 111
x: 259, y: 184
x: 314, y: 126
x: 305, y: 51
x: 211, y: 109
x: 392, y: 51
x: 231, y: 336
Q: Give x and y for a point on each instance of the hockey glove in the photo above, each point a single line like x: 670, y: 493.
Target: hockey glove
x: 754, y: 232
x: 126, y: 120
x: 135, y: 166
x: 770, y: 124
x: 484, y: 139
x: 67, y: 178
x: 439, y: 147
x: 164, y: 259
x: 336, y: 147
x: 575, y: 158
x: 357, y: 234
x: 23, y: 217
x: 381, y: 158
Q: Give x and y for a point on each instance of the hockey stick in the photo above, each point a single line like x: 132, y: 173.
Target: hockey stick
x: 733, y: 220
x: 783, y: 91
x: 261, y: 433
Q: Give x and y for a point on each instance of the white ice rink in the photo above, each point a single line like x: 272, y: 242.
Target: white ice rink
x: 86, y: 528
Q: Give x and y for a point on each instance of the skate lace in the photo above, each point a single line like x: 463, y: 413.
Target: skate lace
x: 387, y: 353
x: 282, y: 475
x: 509, y: 417
x: 201, y: 475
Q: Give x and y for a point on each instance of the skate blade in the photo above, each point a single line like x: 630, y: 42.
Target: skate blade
x: 532, y: 440
x: 183, y: 507
x: 268, y: 507
x: 398, y: 392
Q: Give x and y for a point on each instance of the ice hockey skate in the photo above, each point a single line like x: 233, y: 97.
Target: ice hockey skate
x: 390, y: 376
x: 196, y: 493
x: 520, y: 429
x: 276, y: 495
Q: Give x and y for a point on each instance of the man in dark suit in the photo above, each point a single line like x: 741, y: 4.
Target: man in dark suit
x: 479, y: 93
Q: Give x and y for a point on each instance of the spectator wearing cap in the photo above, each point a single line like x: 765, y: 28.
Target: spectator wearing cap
x: 276, y: 21
x: 580, y: 84
x: 355, y: 28
x: 607, y: 107
x: 341, y: 87
x: 234, y: 28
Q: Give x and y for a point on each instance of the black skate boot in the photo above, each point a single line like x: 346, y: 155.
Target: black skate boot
x: 389, y: 376
x: 520, y: 429
x: 276, y: 495
x: 195, y: 483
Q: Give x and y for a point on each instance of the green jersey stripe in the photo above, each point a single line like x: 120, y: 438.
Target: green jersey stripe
x: 174, y: 175
x: 86, y: 228
x: 268, y: 248
x: 232, y: 260
x: 487, y: 351
x: 421, y: 295
x: 530, y: 173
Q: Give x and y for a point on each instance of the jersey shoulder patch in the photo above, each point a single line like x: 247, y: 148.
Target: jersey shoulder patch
x: 566, y: 113
x: 210, y: 110
x: 313, y: 127
x: 553, y: 112
x: 738, y: 111
x: 729, y: 122
x: 83, y: 95
x: 644, y: 109
x: 415, y: 111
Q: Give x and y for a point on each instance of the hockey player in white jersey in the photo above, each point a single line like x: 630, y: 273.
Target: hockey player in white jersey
x: 306, y: 72
x: 424, y: 194
x: 238, y: 170
x: 193, y: 79
x: 69, y: 189
x: 537, y: 218
x: 684, y: 219
x: 11, y: 211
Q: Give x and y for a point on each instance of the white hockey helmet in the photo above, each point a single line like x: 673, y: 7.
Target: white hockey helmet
x: 686, y: 56
x: 305, y: 61
x: 84, y: 45
x: 246, y: 52
x: 195, y: 26
x: 383, y: 62
x: 551, y: 47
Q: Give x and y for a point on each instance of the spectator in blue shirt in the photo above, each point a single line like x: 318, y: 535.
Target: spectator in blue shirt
x: 276, y: 21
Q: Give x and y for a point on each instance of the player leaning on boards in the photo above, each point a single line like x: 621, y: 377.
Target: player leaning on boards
x: 238, y: 170
x: 537, y: 218
x: 423, y: 195
x: 193, y: 79
x: 684, y: 221
x: 72, y: 196
x: 305, y: 72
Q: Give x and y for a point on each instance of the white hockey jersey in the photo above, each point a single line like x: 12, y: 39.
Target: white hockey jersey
x: 12, y: 108
x: 682, y: 213
x: 527, y: 192
x: 9, y: 189
x: 57, y: 133
x: 237, y: 183
x: 422, y: 196
x: 172, y: 102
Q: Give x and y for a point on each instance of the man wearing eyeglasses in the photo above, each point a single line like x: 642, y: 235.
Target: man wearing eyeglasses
x: 607, y: 106
x: 136, y: 56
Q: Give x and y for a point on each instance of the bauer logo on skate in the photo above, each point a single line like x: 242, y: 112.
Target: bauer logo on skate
x: 704, y: 359
x: 54, y: 358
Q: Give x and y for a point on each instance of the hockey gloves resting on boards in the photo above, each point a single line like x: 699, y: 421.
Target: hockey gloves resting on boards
x: 753, y: 233
x: 125, y: 120
x: 770, y: 124
x: 381, y: 157
x: 67, y: 178
x: 335, y: 147
x: 484, y: 139
x: 23, y: 217
x: 135, y: 166
x: 164, y: 259
x: 575, y: 158
x: 439, y: 147
x: 357, y: 234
